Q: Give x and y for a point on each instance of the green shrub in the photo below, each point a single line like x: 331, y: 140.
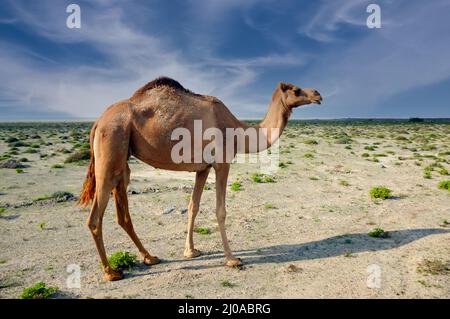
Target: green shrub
x: 444, y: 185
x: 308, y: 155
x: 227, y: 284
x: 203, y: 230
x: 122, y: 260
x: 38, y: 291
x: 365, y: 155
x: 311, y: 142
x: 58, y: 166
x: 2, y: 210
x: 378, y: 233
x: 262, y: 178
x: 19, y: 170
x: 380, y: 192
x: 282, y: 165
x: 82, y: 155
x: 236, y: 186
x: 344, y: 183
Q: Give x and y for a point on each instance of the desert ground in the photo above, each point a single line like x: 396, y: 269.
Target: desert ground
x: 302, y: 235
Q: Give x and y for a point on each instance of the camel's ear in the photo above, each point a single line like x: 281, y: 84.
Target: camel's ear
x: 283, y: 86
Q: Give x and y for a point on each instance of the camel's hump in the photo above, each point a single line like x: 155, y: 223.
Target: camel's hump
x: 161, y: 81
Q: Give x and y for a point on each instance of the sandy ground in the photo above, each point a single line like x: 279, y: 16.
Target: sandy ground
x: 309, y: 219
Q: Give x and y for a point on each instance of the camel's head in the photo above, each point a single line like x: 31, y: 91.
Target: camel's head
x: 293, y: 96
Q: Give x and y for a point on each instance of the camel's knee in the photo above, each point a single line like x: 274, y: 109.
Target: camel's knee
x: 93, y: 226
x: 193, y: 207
x: 221, y: 215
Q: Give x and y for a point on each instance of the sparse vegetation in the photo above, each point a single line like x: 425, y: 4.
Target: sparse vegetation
x: 434, y: 267
x: 380, y: 192
x: 262, y: 178
x: 227, y: 284
x: 378, y: 233
x: 122, y: 260
x: 444, y: 185
x: 38, y: 291
x: 81, y: 155
x: 236, y: 186
x: 202, y: 230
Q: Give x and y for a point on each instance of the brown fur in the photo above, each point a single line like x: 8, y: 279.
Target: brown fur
x: 161, y: 81
x: 142, y: 126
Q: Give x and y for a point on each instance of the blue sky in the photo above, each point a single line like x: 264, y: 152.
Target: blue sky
x: 233, y: 49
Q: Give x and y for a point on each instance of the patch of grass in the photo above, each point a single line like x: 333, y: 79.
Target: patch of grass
x: 308, y: 155
x: 236, y: 186
x: 30, y: 150
x: 378, y: 233
x: 443, y: 171
x: 122, y: 260
x: 82, y: 155
x: 434, y: 267
x: 59, y: 196
x: 444, y: 185
x: 313, y: 178
x: 2, y: 210
x: 310, y: 142
x: 269, y: 206
x: 19, y: 170
x: 349, y: 254
x: 206, y: 188
x: 380, y: 192
x: 365, y: 155
x: 282, y: 165
x: 38, y: 291
x: 262, y: 178
x: 58, y: 166
x: 227, y: 284
x: 344, y: 183
x: 42, y: 225
x: 203, y: 230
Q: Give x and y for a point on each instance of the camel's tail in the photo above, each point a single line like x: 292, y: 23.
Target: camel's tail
x: 88, y: 190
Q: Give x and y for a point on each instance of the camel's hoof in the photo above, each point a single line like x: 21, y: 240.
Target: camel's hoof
x: 192, y: 253
x: 112, y: 275
x: 233, y: 262
x: 151, y: 260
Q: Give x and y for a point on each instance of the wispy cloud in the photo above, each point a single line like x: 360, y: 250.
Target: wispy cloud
x: 134, y: 58
x: 132, y: 43
x: 411, y: 51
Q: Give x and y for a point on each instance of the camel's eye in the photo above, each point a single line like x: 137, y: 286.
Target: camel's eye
x: 297, y: 92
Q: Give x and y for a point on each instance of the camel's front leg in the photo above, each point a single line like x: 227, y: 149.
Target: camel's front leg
x: 221, y: 188
x: 200, y: 180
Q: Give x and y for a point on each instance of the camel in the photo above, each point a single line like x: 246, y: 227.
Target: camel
x: 141, y: 126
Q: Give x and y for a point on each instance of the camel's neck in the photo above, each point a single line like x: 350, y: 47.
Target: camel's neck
x: 271, y: 127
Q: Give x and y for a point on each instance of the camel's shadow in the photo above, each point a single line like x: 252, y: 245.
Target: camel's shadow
x: 325, y: 248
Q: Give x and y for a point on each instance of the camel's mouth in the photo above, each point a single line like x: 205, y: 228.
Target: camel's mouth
x: 317, y: 100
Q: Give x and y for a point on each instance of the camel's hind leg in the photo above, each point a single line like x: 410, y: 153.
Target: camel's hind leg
x: 124, y: 218
x: 94, y: 223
